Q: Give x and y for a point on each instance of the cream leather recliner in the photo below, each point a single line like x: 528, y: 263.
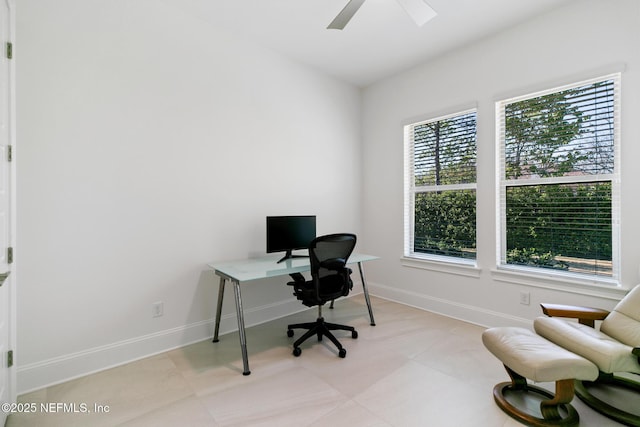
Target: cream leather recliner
x: 614, y: 348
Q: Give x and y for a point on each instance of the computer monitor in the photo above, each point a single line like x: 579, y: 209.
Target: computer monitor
x: 288, y: 233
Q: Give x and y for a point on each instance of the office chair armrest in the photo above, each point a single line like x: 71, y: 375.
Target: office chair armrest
x: 585, y: 315
x: 298, y: 279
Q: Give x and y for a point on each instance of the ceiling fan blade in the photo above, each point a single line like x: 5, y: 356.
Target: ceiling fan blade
x: 418, y: 10
x: 345, y: 15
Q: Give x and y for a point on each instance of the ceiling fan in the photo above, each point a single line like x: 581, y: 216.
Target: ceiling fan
x: 418, y: 10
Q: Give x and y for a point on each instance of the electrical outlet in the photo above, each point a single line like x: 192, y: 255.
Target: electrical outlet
x: 524, y: 298
x: 157, y: 309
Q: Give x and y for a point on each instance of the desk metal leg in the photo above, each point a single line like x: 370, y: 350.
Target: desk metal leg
x: 366, y: 294
x: 243, y: 338
x: 219, y: 311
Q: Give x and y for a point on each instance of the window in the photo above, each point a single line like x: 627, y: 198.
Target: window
x: 440, y: 188
x: 558, y: 179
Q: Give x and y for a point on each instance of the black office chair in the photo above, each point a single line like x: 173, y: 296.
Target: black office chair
x: 330, y: 279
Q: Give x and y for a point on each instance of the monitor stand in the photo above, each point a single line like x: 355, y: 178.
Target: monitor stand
x: 289, y: 255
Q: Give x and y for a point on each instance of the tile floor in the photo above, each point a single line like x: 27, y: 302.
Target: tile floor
x: 414, y: 368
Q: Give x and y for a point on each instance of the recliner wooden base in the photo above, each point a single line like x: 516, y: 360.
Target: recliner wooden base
x: 606, y: 409
x: 555, y: 409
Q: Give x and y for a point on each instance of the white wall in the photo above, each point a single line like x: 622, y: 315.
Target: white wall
x: 148, y: 145
x: 580, y: 41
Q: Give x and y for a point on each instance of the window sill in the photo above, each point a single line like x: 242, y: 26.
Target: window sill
x: 444, y: 265
x: 598, y: 287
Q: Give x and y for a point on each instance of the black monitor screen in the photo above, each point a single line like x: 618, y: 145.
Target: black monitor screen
x: 287, y: 233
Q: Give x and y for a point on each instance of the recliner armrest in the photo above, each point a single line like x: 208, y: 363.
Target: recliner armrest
x: 585, y: 315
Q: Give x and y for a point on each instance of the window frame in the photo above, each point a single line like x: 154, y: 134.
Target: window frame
x: 411, y: 258
x: 502, y: 184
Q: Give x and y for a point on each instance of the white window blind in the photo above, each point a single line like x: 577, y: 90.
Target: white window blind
x: 558, y: 179
x: 440, y: 187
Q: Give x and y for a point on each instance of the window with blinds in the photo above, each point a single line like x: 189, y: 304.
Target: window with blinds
x: 558, y: 182
x: 440, y: 196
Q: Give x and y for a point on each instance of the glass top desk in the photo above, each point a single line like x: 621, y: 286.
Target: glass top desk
x: 262, y: 268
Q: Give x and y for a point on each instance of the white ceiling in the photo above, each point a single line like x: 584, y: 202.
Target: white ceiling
x: 380, y: 40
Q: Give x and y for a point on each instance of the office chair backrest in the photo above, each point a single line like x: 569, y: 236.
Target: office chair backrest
x: 328, y: 255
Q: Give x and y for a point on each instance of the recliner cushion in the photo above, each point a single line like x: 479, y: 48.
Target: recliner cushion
x: 536, y: 358
x: 607, y: 353
x: 623, y: 323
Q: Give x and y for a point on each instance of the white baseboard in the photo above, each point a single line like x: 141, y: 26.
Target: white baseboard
x: 468, y: 313
x: 53, y: 371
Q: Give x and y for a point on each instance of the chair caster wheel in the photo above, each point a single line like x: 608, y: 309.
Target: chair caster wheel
x: 354, y: 334
x: 297, y: 351
x: 342, y: 353
x: 290, y: 333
